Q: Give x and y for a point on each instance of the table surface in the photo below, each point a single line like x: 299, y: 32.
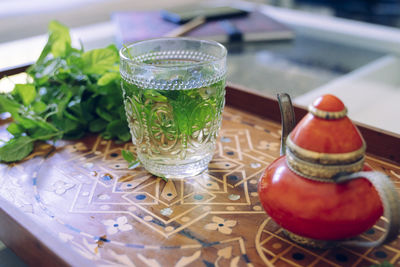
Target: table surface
x: 84, y: 197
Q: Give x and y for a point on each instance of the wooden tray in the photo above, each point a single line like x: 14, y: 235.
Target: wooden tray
x: 82, y: 207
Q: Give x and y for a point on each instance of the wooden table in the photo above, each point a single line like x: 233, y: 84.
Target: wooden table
x: 81, y: 206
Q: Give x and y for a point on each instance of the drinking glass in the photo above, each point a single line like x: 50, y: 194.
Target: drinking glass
x: 174, y: 94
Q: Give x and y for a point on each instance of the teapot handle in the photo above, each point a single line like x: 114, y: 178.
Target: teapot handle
x: 391, y: 205
x: 287, y: 118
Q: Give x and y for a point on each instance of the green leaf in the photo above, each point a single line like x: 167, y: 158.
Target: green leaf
x: 27, y: 92
x: 16, y: 149
x: 29, y: 121
x: 58, y: 42
x: 124, y: 137
x: 44, y: 134
x: 86, y: 109
x: 104, y: 114
x: 25, y: 122
x: 99, y: 61
x: 154, y: 95
x: 107, y: 135
x: 114, y: 128
x: 67, y: 125
x: 75, y: 61
x: 15, y: 129
x: 40, y: 122
x: 133, y: 165
x: 8, y: 104
x: 59, y: 38
x: 75, y: 133
x: 128, y: 156
x: 117, y: 127
x: 73, y: 117
x: 58, y: 48
x: 97, y: 125
x: 107, y: 78
x: 39, y: 107
x: 62, y: 104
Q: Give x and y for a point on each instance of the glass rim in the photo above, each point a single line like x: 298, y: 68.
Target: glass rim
x: 148, y: 65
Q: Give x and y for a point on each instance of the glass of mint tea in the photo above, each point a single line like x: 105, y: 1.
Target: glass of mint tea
x: 174, y: 94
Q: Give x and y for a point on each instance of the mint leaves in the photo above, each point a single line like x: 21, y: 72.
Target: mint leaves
x: 100, y: 61
x: 16, y: 149
x: 130, y: 158
x: 27, y: 93
x: 73, y: 92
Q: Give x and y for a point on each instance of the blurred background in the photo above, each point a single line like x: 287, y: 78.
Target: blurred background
x: 24, y: 18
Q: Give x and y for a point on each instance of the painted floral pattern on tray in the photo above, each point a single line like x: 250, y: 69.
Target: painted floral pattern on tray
x: 223, y: 226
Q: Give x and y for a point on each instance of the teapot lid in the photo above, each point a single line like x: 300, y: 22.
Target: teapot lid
x: 328, y: 107
x: 327, y: 136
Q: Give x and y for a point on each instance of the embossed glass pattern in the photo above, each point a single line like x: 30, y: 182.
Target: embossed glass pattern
x: 174, y: 91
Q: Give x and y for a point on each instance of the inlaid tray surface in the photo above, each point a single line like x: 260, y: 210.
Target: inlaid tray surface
x: 84, y: 196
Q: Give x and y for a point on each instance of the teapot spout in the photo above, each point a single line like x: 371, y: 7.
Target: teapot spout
x: 287, y: 118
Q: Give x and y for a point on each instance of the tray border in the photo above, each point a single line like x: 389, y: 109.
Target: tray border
x: 31, y: 243
x: 381, y: 144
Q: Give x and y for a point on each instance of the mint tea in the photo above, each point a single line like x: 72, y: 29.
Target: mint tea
x: 174, y: 97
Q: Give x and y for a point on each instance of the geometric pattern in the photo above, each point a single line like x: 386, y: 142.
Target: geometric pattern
x: 85, y: 195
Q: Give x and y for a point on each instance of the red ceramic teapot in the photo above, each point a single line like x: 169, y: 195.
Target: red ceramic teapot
x: 320, y: 190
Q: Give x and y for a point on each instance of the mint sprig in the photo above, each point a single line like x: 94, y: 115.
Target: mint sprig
x: 72, y: 92
x: 131, y: 159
